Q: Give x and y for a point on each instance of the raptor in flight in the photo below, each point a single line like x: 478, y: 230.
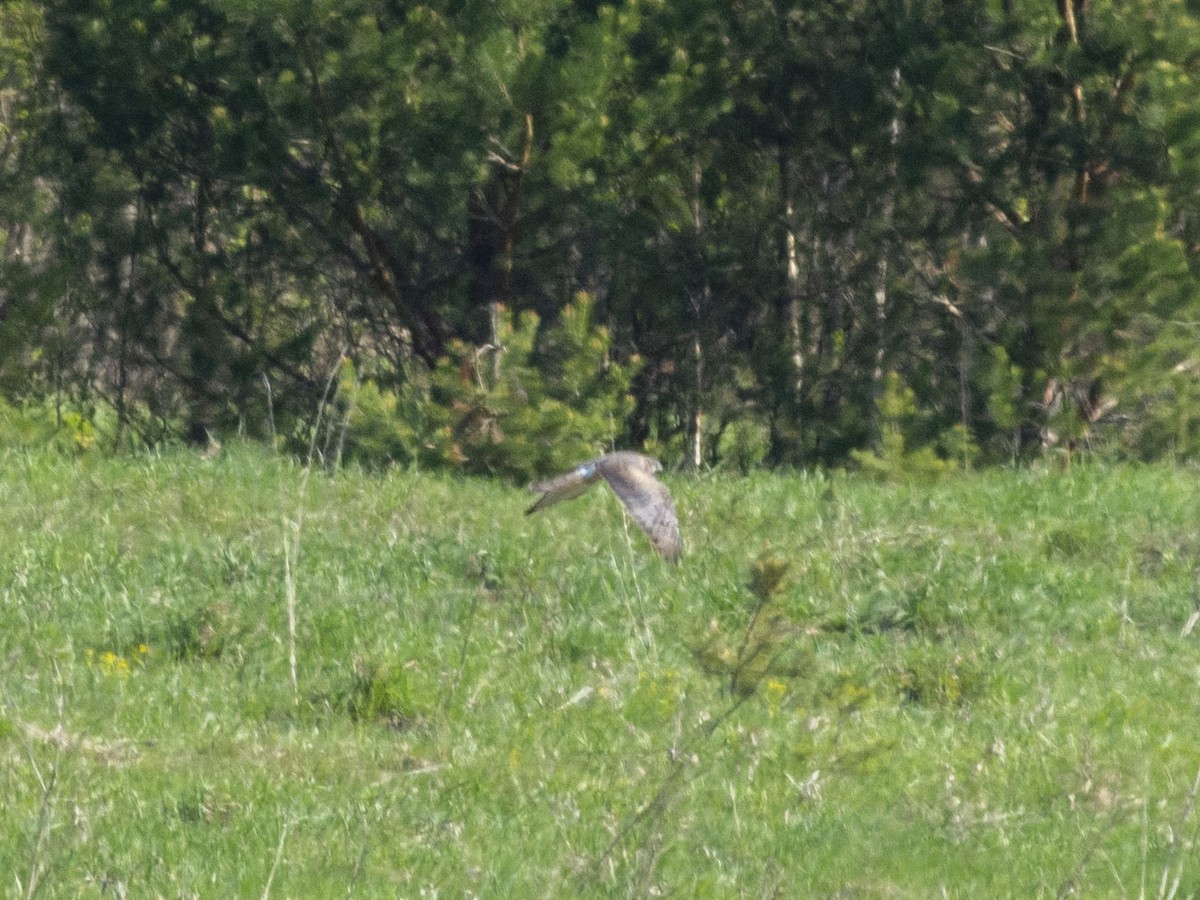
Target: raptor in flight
x: 631, y: 476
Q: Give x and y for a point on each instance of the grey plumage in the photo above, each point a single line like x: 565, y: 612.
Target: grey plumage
x: 631, y: 476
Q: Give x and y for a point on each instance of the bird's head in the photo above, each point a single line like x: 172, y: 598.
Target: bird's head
x: 650, y: 464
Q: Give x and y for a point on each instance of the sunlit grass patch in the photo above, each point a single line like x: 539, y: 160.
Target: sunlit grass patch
x: 383, y: 692
x: 976, y: 686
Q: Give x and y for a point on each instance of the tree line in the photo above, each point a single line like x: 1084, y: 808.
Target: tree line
x: 493, y: 235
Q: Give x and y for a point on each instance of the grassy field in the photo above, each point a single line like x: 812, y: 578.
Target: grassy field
x: 227, y: 678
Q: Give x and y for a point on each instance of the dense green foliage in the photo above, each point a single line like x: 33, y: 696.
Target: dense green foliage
x: 526, y: 413
x: 774, y: 209
x: 983, y: 687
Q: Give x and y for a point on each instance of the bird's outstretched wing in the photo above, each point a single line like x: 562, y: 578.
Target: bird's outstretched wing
x: 563, y: 487
x: 646, y: 498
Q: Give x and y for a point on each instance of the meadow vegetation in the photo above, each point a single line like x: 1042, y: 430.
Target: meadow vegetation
x: 229, y: 677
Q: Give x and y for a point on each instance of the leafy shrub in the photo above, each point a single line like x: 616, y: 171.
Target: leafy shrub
x: 940, y: 677
x: 766, y: 649
x: 384, y: 426
x: 894, y: 459
x: 381, y: 692
x: 531, y: 405
x: 43, y: 426
x: 744, y: 444
x: 205, y: 633
x: 1002, y: 381
x: 1159, y: 390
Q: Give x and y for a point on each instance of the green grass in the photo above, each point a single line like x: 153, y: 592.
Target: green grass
x: 987, y: 688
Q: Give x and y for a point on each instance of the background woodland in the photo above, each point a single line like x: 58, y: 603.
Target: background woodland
x: 495, y: 236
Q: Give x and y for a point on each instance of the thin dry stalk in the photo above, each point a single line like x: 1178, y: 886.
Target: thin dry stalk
x: 289, y: 588
x: 292, y: 529
x: 275, y: 865
x: 468, y: 630
x: 270, y: 411
x: 48, y: 783
x: 1177, y: 855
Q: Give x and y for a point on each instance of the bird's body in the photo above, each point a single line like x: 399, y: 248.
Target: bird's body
x: 631, y: 476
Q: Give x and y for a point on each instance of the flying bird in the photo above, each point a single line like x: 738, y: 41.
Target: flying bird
x: 631, y: 476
